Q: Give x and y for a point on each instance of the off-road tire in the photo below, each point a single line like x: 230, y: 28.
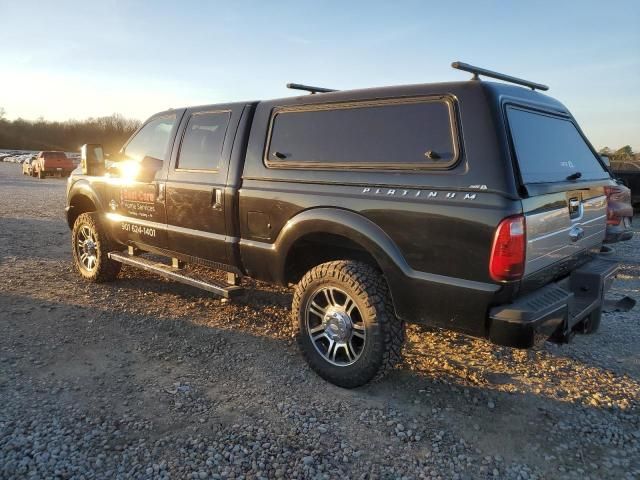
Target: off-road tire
x: 106, y: 269
x: 591, y: 324
x: 384, y: 332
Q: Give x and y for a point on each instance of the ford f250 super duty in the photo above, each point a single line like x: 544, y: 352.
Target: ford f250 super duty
x: 474, y: 206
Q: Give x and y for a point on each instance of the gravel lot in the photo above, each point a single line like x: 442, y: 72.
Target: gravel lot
x: 144, y: 378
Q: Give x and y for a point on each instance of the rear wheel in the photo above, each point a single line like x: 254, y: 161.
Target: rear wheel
x: 90, y: 245
x: 347, y: 330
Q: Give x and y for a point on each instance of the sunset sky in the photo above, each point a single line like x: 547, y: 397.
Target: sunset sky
x: 63, y: 60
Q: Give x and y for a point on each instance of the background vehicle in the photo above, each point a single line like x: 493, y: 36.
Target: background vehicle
x: 629, y: 174
x: 51, y: 163
x: 27, y: 165
x: 619, y: 214
x: 619, y: 208
x: 439, y: 204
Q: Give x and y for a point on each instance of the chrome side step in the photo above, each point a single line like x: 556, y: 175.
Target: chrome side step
x: 174, y: 272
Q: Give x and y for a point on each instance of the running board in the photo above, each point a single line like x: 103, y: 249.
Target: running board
x: 174, y: 273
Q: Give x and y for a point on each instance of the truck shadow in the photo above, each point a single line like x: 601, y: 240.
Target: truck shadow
x: 95, y: 357
x: 434, y: 359
x: 257, y: 294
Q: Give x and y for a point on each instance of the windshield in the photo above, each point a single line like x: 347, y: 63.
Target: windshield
x: 551, y: 149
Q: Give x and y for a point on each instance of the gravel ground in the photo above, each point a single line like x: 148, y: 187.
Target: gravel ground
x: 144, y: 378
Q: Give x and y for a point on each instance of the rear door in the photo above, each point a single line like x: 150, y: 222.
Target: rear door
x: 196, y: 183
x: 566, y: 206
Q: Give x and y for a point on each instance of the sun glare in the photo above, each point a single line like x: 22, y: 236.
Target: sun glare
x: 129, y: 169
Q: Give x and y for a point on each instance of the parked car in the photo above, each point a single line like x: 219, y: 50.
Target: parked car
x: 52, y: 163
x: 474, y: 206
x: 619, y: 213
x: 74, y: 157
x: 629, y: 174
x: 27, y: 165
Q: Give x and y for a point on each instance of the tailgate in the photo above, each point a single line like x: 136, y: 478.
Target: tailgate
x: 58, y: 161
x: 562, y: 225
x: 565, y: 207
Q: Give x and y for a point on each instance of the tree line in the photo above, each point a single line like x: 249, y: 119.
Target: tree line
x: 621, y: 155
x: 68, y: 136
x: 114, y: 130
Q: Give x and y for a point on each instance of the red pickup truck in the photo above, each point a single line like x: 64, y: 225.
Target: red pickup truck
x: 52, y: 163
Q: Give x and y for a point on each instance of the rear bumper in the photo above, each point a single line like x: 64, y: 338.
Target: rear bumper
x: 534, y: 317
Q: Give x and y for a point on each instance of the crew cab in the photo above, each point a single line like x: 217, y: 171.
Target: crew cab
x: 52, y: 163
x: 475, y: 206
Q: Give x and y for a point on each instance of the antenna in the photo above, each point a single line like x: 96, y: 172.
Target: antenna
x: 500, y: 76
x: 312, y: 90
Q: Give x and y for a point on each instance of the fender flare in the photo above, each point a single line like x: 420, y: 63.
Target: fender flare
x: 82, y: 187
x: 348, y: 224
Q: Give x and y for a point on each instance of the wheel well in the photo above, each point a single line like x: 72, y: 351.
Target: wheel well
x: 79, y: 204
x: 314, y: 249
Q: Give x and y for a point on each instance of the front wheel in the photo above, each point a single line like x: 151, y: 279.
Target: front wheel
x: 90, y: 245
x: 347, y: 330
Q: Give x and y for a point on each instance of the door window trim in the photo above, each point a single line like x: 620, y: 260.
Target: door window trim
x: 176, y: 164
x: 172, y: 133
x: 380, y: 166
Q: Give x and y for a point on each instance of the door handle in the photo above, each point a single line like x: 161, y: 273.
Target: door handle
x: 160, y: 190
x: 217, y: 198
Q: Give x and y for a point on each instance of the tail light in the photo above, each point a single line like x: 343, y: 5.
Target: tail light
x: 619, y: 195
x: 508, y: 251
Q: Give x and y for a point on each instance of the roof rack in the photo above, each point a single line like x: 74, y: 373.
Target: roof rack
x: 500, y: 76
x: 312, y: 90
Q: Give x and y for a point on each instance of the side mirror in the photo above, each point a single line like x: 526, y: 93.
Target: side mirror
x: 92, y: 159
x: 606, y: 160
x: 149, y: 166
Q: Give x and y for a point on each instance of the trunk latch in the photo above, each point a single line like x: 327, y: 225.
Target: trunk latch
x: 576, y: 233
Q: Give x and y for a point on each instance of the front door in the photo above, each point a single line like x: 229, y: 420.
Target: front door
x: 136, y: 207
x: 195, y: 189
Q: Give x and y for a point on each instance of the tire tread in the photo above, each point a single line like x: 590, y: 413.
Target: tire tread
x: 107, y: 269
x: 370, y: 285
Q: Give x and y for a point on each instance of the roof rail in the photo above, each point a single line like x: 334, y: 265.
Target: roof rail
x: 312, y: 90
x: 500, y: 76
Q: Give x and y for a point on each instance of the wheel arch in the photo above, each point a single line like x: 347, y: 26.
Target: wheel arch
x: 82, y: 199
x: 324, y: 234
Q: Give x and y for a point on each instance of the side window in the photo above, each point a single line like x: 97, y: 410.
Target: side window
x: 152, y: 140
x: 203, y: 140
x: 391, y: 134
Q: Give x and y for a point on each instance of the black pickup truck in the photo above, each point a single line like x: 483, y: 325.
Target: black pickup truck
x: 474, y: 206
